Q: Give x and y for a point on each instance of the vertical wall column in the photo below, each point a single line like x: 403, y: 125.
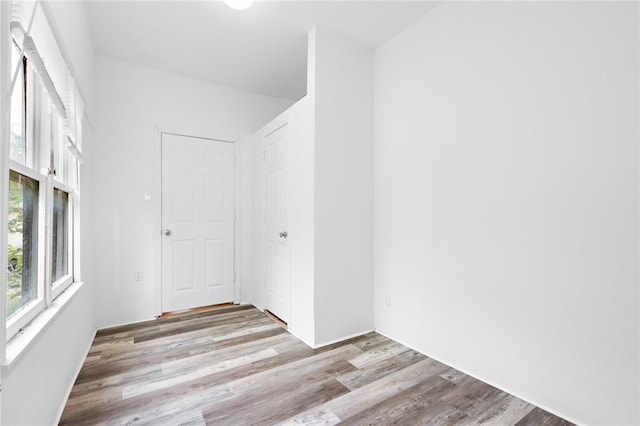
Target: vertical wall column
x: 340, y: 86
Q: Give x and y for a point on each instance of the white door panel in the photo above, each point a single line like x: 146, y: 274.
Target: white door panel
x: 214, y: 263
x: 198, y: 216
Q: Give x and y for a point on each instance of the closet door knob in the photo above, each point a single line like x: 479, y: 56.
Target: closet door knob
x: 167, y: 232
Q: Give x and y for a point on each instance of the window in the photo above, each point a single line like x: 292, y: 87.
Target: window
x: 61, y: 237
x: 22, y: 285
x: 42, y: 182
x: 18, y: 137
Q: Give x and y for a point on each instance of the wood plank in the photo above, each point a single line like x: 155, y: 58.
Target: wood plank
x: 181, y: 418
x: 281, y: 401
x: 365, y: 397
x: 185, y: 364
x: 197, y: 393
x: 141, y: 411
x: 167, y: 320
x: 133, y: 367
x: 190, y: 339
x: 178, y: 327
x: 233, y: 365
x: 174, y: 330
x: 414, y: 405
x: 384, y: 367
x: 454, y: 376
x: 136, y: 374
x: 378, y: 353
x: 510, y: 411
x: 196, y: 373
x: 539, y: 417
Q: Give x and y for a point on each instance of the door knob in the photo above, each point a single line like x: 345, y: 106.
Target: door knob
x: 167, y: 232
x: 283, y: 234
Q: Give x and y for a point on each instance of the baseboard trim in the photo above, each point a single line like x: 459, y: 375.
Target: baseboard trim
x: 342, y: 339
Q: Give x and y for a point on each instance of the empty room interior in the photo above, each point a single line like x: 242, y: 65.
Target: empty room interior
x: 320, y: 212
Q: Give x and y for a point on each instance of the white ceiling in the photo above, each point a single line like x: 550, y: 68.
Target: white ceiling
x: 262, y: 49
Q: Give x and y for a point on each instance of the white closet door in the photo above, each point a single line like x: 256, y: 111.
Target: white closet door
x: 276, y: 235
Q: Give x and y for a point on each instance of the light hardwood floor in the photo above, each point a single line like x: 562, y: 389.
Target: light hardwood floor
x: 234, y: 365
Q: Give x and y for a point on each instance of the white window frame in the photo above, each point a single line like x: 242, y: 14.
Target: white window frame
x: 42, y: 156
x: 28, y: 312
x: 22, y: 21
x: 60, y: 285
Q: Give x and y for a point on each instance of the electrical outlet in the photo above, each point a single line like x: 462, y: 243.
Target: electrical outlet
x: 387, y: 299
x: 138, y: 276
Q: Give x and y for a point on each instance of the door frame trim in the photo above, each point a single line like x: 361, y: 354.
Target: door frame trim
x: 157, y: 201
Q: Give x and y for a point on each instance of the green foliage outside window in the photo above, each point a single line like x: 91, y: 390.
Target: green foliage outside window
x: 14, y: 258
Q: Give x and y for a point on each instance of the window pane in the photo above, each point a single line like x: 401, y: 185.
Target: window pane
x: 42, y: 138
x: 18, y: 140
x: 60, y: 232
x: 22, y: 268
x: 59, y: 150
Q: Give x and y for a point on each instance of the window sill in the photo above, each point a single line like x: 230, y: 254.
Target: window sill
x: 24, y: 339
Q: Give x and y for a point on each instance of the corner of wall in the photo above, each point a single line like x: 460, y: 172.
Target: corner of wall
x: 343, y: 187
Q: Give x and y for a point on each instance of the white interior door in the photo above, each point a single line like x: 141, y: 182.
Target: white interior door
x: 277, y: 238
x: 197, y: 222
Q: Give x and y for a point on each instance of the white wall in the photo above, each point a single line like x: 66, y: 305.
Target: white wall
x: 35, y: 386
x: 506, y: 199
x: 342, y: 86
x: 130, y: 101
x: 71, y: 20
x: 330, y: 194
x: 301, y: 219
x: 73, y: 25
